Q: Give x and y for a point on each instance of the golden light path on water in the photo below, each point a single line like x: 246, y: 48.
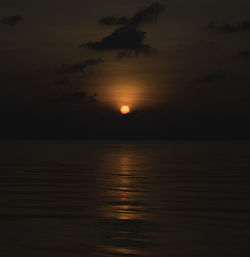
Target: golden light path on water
x: 125, y: 210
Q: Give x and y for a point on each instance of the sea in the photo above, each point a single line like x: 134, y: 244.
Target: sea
x: 77, y: 198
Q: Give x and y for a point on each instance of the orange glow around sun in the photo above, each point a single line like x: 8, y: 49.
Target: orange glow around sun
x: 125, y: 109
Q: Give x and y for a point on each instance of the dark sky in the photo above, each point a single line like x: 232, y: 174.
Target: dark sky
x: 182, y: 66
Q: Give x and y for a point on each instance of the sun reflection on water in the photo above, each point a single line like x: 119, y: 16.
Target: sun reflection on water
x: 124, y: 210
x: 124, y: 192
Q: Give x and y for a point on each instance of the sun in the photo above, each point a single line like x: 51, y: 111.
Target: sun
x: 124, y: 109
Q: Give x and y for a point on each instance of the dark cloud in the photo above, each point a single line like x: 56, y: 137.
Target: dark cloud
x: 80, y: 67
x: 12, y: 20
x: 128, y: 39
x: 228, y: 28
x: 92, y: 98
x: 145, y: 50
x: 125, y: 38
x: 75, y: 98
x: 62, y: 82
x: 218, y: 75
x: 243, y: 55
x: 145, y: 16
x: 112, y: 20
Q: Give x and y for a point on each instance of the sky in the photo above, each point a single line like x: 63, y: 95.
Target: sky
x: 66, y: 67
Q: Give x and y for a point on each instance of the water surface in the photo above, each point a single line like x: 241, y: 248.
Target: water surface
x: 90, y: 198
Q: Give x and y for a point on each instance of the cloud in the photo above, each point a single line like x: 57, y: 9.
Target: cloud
x: 218, y: 75
x: 75, y: 98
x: 125, y: 38
x: 92, y: 98
x: 112, y: 21
x: 145, y: 16
x: 145, y: 50
x: 80, y: 67
x: 228, y: 28
x: 12, y: 20
x: 243, y: 55
x: 61, y: 82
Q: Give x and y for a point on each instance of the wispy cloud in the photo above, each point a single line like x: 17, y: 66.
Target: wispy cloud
x: 146, y: 16
x: 75, y: 98
x: 12, y: 20
x: 218, y: 75
x: 62, y: 82
x: 243, y: 55
x: 80, y: 67
x: 228, y: 28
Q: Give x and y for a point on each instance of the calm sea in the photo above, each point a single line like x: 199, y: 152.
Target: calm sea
x: 157, y: 199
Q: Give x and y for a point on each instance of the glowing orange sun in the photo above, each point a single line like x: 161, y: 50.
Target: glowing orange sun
x: 125, y: 109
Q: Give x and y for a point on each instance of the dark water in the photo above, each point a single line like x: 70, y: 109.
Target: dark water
x: 77, y: 198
